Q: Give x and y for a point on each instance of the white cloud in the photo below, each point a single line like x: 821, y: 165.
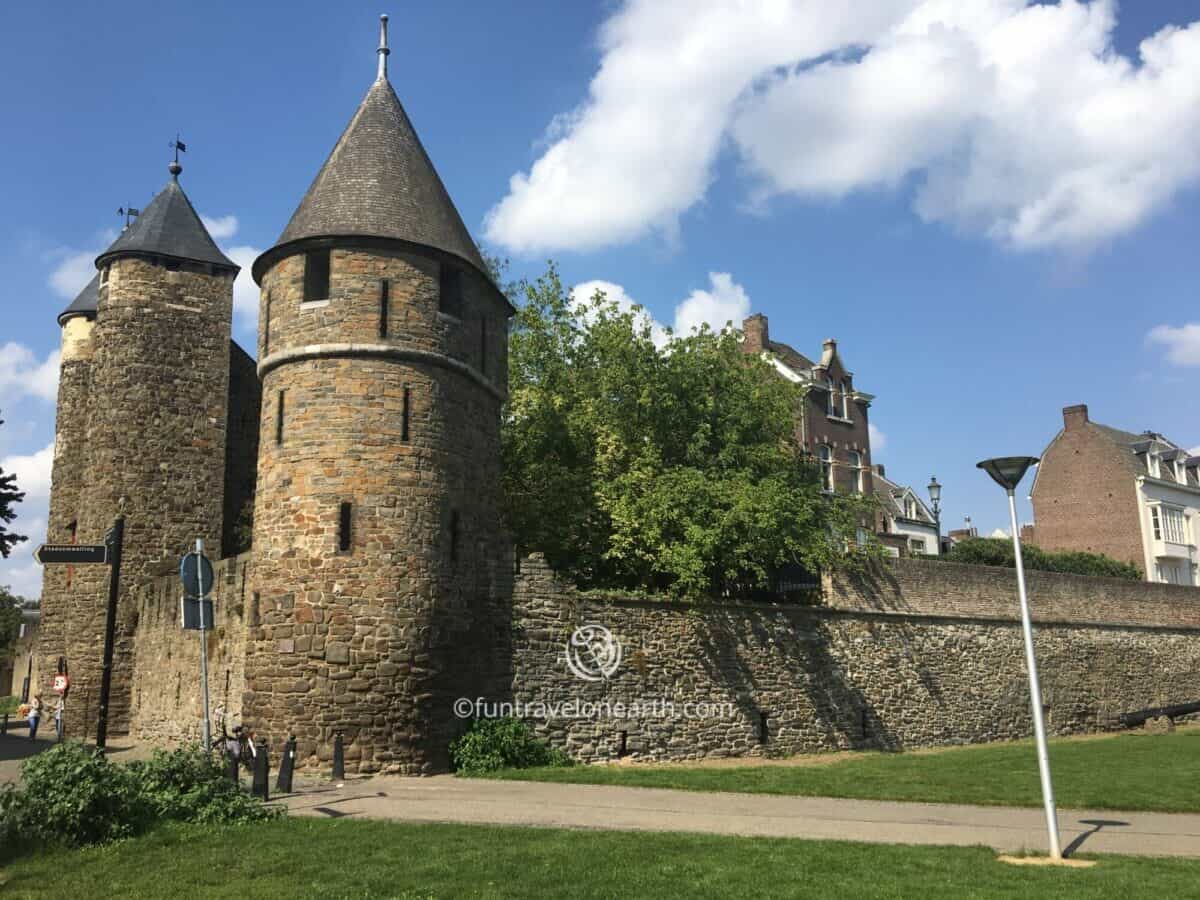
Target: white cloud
x: 33, y: 474
x: 245, y: 291
x: 220, y: 227
x: 1018, y: 122
x: 73, y: 272
x: 724, y: 302
x: 19, y: 571
x: 1182, y: 343
x: 23, y: 374
x: 877, y: 437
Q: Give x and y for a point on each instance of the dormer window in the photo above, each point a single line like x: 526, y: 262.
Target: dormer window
x: 1152, y: 465
x: 831, y: 402
x: 450, y: 300
x: 316, y: 275
x: 846, y: 392
x: 910, y: 508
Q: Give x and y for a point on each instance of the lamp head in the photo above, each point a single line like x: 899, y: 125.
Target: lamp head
x: 1007, y: 471
x: 935, y: 490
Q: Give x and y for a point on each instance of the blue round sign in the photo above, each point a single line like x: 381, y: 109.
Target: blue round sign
x: 196, y: 573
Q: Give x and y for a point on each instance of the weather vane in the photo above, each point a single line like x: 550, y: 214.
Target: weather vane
x: 129, y: 212
x: 177, y: 145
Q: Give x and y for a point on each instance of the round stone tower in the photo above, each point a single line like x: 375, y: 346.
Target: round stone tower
x: 381, y: 568
x: 68, y: 475
x: 154, y: 445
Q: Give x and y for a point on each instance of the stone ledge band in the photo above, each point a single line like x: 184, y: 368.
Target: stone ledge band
x: 380, y: 351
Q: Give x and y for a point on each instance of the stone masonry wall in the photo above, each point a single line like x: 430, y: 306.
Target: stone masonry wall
x: 375, y: 640
x: 156, y: 453
x: 166, y: 659
x: 62, y: 604
x: 920, y: 654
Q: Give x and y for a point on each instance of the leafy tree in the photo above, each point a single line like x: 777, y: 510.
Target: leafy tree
x: 9, y: 497
x: 999, y: 552
x: 665, y: 468
x: 10, y: 620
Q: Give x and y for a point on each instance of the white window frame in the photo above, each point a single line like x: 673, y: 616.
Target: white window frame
x: 825, y: 455
x: 831, y: 401
x: 846, y: 392
x: 856, y: 466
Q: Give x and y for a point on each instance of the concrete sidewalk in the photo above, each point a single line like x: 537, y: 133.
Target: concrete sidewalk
x: 445, y: 798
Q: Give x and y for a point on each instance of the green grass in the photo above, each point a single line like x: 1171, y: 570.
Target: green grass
x: 347, y: 858
x: 1158, y: 772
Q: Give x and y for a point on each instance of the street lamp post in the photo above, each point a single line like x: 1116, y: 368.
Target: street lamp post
x: 1007, y: 472
x: 935, y: 495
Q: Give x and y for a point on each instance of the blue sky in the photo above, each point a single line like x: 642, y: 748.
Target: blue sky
x: 993, y: 209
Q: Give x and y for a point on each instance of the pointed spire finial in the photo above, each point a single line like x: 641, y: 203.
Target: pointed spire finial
x: 383, y: 48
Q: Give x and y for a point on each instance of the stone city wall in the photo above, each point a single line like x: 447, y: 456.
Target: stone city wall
x: 166, y: 659
x: 918, y: 654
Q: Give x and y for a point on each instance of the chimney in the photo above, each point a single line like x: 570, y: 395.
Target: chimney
x: 755, y: 330
x: 878, y: 467
x: 1075, y: 416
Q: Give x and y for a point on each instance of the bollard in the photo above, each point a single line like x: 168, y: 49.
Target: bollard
x: 262, y: 772
x: 283, y: 785
x: 339, y: 758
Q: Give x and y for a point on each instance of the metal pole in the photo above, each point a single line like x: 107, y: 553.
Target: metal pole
x: 206, y: 729
x: 1035, y: 691
x: 110, y: 628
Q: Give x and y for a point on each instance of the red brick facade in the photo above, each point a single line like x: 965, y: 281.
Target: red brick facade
x: 1085, y: 496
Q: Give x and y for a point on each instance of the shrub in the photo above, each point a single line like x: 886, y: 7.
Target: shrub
x: 999, y: 552
x: 72, y: 795
x: 506, y: 743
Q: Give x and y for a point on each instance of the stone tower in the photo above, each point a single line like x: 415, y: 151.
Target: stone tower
x: 383, y: 577
x: 141, y: 431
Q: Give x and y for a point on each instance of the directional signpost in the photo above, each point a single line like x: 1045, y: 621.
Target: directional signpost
x: 96, y: 554
x: 196, y: 573
x: 71, y: 554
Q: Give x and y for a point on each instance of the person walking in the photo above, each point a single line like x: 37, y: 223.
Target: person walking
x: 35, y: 716
x: 60, y: 709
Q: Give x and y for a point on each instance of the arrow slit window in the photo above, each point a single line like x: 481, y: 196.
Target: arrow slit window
x: 316, y: 275
x: 279, y: 419
x: 450, y: 299
x: 406, y: 405
x: 345, y: 516
x: 384, y: 290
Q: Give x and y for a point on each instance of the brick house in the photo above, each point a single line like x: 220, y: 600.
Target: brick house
x: 1134, y: 497
x: 832, y: 422
x: 832, y: 426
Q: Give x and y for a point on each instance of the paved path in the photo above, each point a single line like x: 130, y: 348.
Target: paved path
x: 445, y: 798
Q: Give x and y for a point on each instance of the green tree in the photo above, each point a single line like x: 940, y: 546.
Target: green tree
x: 9, y: 497
x: 10, y: 620
x: 668, y: 468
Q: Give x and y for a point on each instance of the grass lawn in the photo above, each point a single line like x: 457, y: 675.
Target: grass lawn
x: 321, y: 858
x: 1158, y: 772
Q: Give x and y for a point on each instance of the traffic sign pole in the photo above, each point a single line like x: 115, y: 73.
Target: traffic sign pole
x: 114, y: 540
x: 206, y: 728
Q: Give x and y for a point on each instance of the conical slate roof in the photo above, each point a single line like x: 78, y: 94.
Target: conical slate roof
x: 169, y: 226
x: 380, y: 182
x: 85, y: 304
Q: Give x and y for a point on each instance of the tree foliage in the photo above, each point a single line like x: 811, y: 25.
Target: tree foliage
x: 10, y: 620
x: 9, y: 497
x: 667, y: 468
x: 999, y: 552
